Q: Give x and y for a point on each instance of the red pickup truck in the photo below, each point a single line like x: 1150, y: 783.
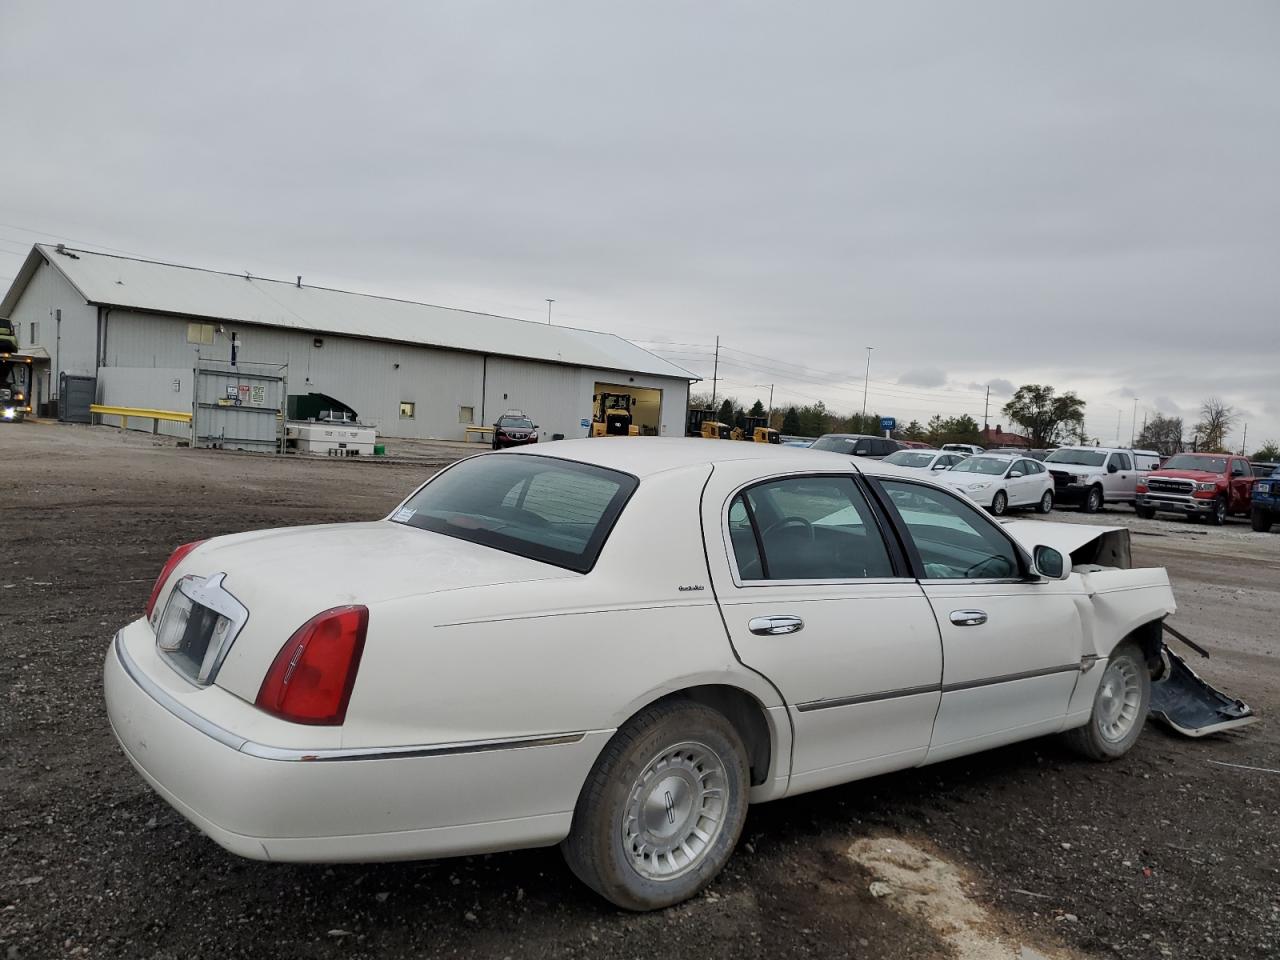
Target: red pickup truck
x: 1213, y: 485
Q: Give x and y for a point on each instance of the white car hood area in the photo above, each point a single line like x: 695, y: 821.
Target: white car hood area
x: 1083, y: 543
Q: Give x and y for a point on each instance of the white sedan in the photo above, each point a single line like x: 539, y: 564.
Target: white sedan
x: 932, y: 460
x: 1001, y: 482
x: 616, y: 646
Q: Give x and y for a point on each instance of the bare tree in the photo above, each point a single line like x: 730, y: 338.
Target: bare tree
x: 1216, y: 419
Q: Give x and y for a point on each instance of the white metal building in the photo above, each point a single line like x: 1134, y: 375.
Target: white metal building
x: 411, y: 369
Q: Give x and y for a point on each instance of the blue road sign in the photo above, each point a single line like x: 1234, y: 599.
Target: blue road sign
x: 888, y: 423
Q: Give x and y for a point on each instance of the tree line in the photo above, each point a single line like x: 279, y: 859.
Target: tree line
x: 1045, y: 417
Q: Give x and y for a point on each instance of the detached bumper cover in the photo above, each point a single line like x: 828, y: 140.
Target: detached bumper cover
x: 1191, y: 706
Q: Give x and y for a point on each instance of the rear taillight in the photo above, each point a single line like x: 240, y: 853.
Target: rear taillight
x: 311, y: 678
x: 169, y: 565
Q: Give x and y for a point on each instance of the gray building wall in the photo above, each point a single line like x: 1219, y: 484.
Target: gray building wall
x: 71, y: 343
x: 152, y: 388
x: 375, y: 377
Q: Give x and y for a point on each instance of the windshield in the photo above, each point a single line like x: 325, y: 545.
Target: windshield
x: 1191, y: 461
x: 910, y: 458
x: 1081, y: 458
x: 991, y: 466
x: 556, y: 511
x: 837, y: 444
x: 516, y: 423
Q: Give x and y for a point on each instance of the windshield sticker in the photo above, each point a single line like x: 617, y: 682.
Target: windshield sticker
x: 403, y: 515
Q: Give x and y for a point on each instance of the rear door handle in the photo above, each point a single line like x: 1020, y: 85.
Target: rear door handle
x: 774, y: 626
x: 968, y: 618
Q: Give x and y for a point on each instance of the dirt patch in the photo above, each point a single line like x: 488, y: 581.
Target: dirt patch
x: 1160, y: 854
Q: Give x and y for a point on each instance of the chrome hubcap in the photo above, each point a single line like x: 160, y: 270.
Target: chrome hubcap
x: 1119, y: 697
x: 675, y: 811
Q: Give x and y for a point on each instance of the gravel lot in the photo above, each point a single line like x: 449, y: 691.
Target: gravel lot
x: 1166, y: 853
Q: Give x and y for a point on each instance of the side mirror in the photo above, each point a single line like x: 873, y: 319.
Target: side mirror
x: 1049, y: 563
x: 1112, y: 468
x: 1013, y: 474
x: 535, y: 426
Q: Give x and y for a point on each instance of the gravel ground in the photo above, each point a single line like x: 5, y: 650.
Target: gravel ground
x: 1166, y: 853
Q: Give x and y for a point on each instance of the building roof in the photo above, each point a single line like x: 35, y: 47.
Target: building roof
x: 149, y: 285
x: 996, y: 437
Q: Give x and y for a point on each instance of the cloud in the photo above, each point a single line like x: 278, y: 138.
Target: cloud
x: 923, y: 377
x: 1003, y: 388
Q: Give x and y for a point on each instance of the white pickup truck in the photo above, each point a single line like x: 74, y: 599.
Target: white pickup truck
x: 1092, y: 477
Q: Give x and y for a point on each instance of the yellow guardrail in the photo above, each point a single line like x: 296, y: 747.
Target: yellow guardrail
x: 124, y: 413
x: 481, y: 433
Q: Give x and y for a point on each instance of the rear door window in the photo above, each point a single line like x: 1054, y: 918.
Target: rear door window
x: 809, y: 528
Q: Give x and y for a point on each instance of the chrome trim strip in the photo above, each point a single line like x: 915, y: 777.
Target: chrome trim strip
x: 325, y: 754
x: 1010, y: 677
x: 936, y: 688
x: 866, y: 698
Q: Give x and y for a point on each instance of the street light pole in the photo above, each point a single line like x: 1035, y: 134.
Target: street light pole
x: 1133, y: 435
x: 865, y: 382
x: 549, y: 303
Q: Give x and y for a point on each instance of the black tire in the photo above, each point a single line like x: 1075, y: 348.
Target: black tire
x: 1260, y: 519
x: 1046, y: 503
x: 1219, y: 516
x: 1000, y: 503
x: 1146, y: 513
x: 1093, y: 501
x: 1092, y: 740
x: 597, y: 849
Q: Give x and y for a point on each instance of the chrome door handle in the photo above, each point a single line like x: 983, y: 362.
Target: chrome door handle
x: 774, y: 626
x: 968, y: 618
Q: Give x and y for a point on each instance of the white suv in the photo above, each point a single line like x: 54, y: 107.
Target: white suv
x: 1092, y: 477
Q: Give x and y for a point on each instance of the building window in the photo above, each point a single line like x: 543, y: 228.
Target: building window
x: 35, y: 333
x: 200, y: 333
x: 467, y: 415
x: 406, y: 410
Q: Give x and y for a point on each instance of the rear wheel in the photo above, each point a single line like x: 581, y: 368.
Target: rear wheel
x: 1046, y: 502
x: 1260, y: 519
x: 1146, y: 513
x: 1000, y: 503
x: 661, y: 811
x: 1119, y: 707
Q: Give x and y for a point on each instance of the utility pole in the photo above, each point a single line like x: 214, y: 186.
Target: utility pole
x: 769, y: 417
x: 864, y: 389
x: 1244, y: 442
x: 715, y: 373
x: 1133, y: 435
x: 549, y: 303
x: 986, y: 411
x: 1119, y: 416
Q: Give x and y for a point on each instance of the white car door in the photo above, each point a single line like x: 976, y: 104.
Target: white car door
x: 1024, y: 489
x: 1120, y: 484
x: 1012, y: 647
x: 820, y: 602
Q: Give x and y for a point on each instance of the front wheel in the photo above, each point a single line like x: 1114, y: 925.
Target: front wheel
x: 1119, y: 707
x: 1260, y: 519
x: 662, y: 809
x: 1000, y: 503
x: 1220, y: 511
x: 1046, y: 502
x: 1092, y: 500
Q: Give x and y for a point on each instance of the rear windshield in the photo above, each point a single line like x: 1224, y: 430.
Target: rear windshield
x: 1185, y: 461
x: 1080, y: 458
x: 910, y: 458
x: 555, y: 511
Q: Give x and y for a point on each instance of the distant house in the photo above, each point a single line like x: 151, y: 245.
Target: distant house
x: 992, y: 438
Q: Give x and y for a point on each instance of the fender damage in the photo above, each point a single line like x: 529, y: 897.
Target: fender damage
x: 1125, y: 599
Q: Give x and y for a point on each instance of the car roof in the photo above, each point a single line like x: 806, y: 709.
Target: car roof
x: 853, y: 436
x: 645, y: 456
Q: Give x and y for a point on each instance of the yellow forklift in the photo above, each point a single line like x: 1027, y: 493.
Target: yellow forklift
x: 715, y: 430
x: 15, y: 387
x: 613, y: 417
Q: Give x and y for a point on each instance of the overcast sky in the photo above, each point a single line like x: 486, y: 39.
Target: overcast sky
x: 1084, y: 194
